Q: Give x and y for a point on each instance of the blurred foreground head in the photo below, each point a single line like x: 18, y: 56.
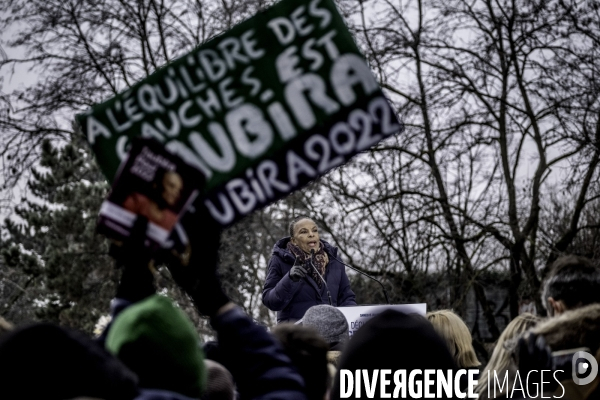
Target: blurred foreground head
x: 45, y: 361
x: 308, y: 352
x: 573, y: 282
x: 158, y: 342
x: 393, y: 340
x: 220, y: 385
x: 457, y: 336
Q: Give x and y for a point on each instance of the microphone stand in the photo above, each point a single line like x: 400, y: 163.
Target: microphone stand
x: 312, y: 257
x: 365, y: 274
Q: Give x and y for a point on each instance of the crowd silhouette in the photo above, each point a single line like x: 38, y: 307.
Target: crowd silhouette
x: 150, y: 350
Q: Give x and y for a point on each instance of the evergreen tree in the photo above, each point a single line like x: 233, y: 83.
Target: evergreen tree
x: 57, y: 269
x: 61, y: 267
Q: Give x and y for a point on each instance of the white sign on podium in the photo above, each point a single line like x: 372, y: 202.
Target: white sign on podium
x: 358, y: 315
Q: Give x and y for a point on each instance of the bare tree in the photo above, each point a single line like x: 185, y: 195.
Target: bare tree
x: 85, y: 51
x: 500, y: 104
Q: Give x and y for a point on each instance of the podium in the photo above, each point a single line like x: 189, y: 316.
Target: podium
x: 358, y: 315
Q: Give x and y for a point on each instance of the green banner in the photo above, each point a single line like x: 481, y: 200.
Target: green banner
x: 261, y: 109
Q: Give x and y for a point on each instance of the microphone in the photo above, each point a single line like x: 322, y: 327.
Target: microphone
x: 365, y: 274
x: 312, y: 263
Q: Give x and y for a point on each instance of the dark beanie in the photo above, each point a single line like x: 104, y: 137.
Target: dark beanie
x: 46, y: 361
x: 159, y: 343
x: 394, y: 340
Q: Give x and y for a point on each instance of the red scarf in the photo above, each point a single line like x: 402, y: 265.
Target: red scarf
x: 303, y: 258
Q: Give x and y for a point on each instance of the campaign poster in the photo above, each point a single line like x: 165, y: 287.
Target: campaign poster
x: 261, y: 110
x: 150, y: 183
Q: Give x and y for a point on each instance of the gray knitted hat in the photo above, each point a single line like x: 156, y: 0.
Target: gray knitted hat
x: 328, y: 321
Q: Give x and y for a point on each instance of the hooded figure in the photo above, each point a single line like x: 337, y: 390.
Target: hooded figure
x: 570, y: 331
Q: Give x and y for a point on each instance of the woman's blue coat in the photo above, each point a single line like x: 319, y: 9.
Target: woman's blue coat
x: 291, y: 299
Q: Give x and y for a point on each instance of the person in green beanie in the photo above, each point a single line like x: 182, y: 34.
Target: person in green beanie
x: 158, y: 341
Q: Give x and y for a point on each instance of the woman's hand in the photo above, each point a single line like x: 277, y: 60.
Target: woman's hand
x: 297, y: 272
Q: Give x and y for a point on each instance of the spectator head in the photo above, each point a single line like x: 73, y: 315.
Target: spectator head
x: 501, y: 359
x: 573, y: 282
x: 219, y: 384
x: 573, y: 328
x: 393, y: 340
x: 45, y: 361
x: 456, y: 335
x: 308, y: 352
x: 329, y: 322
x: 158, y: 342
x: 570, y: 330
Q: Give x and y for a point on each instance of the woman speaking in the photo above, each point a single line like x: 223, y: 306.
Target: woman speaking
x: 303, y: 272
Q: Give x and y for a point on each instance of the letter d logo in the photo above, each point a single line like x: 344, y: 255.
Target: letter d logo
x: 583, y: 367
